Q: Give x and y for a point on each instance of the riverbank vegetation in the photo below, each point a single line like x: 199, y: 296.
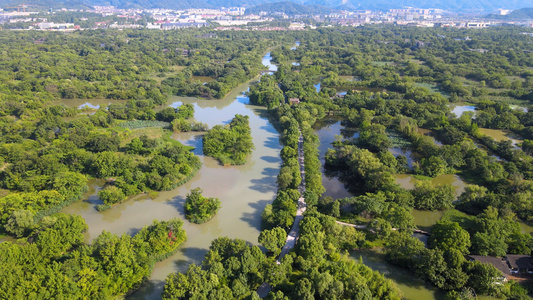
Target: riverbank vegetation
x: 51, y: 261
x: 200, y: 209
x: 317, y: 269
x: 48, y: 150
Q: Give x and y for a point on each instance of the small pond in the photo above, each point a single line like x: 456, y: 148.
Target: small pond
x: 459, y: 109
x: 502, y: 134
x: 202, y: 79
x: 329, y: 130
x: 397, y: 151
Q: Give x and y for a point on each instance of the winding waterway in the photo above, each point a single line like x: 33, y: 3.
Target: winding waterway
x: 330, y: 129
x: 243, y: 190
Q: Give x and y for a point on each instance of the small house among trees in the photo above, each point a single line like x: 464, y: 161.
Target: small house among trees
x: 499, y: 263
x: 510, y: 264
x: 519, y: 264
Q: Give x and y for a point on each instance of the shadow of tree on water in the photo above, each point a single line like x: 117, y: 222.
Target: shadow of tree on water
x: 254, y: 218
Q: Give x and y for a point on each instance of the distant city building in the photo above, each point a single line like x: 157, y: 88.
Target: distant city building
x: 153, y: 26
x: 125, y: 26
x: 170, y: 26
x: 52, y: 25
x: 297, y: 26
x: 477, y: 24
x: 234, y: 16
x: 234, y: 11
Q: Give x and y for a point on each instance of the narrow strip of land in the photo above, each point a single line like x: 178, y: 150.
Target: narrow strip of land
x: 292, y: 237
x: 419, y: 231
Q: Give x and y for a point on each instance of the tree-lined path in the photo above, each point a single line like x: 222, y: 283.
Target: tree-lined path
x: 292, y: 237
x: 295, y: 230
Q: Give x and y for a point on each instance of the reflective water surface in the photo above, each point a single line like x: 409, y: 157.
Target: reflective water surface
x: 243, y: 190
x: 458, y: 109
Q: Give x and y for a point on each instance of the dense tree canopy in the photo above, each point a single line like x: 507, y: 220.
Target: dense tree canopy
x: 200, y: 209
x: 54, y: 262
x: 230, y: 144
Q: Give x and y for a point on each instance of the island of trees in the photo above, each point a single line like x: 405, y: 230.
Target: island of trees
x: 230, y: 144
x: 200, y: 209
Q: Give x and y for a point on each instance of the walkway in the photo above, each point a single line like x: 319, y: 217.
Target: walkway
x: 292, y: 237
x: 419, y: 231
x: 351, y: 225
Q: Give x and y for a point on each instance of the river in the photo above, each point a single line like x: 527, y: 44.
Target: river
x: 243, y: 190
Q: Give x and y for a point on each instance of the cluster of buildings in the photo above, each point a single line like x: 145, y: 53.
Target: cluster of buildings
x: 34, y: 22
x: 415, y: 17
x: 166, y: 19
x: 236, y: 19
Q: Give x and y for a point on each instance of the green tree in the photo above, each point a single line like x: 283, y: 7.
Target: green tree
x: 20, y: 223
x: 111, y: 195
x: 230, y: 144
x: 430, y: 197
x: 135, y: 146
x: 401, y: 218
x: 273, y: 239
x: 199, y: 209
x: 374, y: 138
x: 484, y: 278
x: 447, y: 235
x: 433, y: 166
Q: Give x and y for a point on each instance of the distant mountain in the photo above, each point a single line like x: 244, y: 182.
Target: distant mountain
x: 451, y: 5
x: 290, y: 8
x: 519, y: 14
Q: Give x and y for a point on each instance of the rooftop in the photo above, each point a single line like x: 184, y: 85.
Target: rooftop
x: 499, y: 263
x: 519, y: 261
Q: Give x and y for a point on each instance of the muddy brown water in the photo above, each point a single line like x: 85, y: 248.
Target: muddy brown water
x: 411, y: 287
x: 408, y: 182
x: 243, y: 190
x: 502, y: 134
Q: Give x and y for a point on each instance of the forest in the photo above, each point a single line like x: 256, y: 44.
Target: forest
x: 50, y: 149
x: 387, y: 84
x: 396, y: 87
